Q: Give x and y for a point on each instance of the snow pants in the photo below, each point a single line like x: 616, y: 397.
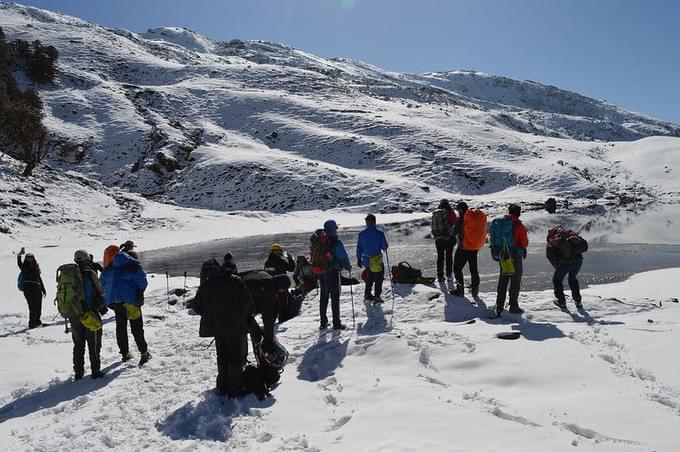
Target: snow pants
x: 82, y: 336
x: 515, y: 283
x: 136, y: 326
x: 330, y: 287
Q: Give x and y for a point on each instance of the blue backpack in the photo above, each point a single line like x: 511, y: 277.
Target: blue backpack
x: 500, y: 235
x: 20, y: 281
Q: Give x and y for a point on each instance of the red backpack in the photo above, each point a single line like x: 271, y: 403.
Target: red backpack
x: 474, y: 229
x: 321, y: 253
x: 567, y: 241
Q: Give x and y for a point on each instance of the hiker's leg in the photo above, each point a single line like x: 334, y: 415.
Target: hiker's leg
x: 449, y: 257
x: 221, y: 351
x: 501, y: 290
x: 334, y: 291
x: 370, y: 279
x: 558, y: 277
x: 137, y: 328
x: 378, y: 280
x: 121, y: 328
x: 441, y: 250
x: 78, y: 336
x: 323, y: 298
x: 459, y: 261
x: 516, y: 281
x: 474, y: 270
x: 93, y: 339
x: 574, y: 269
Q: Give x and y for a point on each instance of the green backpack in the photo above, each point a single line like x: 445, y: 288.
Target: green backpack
x: 70, y: 291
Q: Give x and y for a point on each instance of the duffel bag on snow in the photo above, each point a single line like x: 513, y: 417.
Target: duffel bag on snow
x: 404, y: 273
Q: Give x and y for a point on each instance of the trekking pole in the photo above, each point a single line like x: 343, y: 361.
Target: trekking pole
x: 351, y: 296
x: 167, y: 285
x: 184, y: 293
x: 66, y: 326
x: 389, y: 266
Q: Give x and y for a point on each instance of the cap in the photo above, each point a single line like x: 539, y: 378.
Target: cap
x: 129, y: 244
x: 81, y: 256
x: 277, y: 247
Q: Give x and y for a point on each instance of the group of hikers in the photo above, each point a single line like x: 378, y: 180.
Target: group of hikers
x: 86, y: 290
x: 228, y: 300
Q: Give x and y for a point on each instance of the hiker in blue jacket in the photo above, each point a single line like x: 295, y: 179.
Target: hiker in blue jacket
x: 124, y: 283
x: 329, y: 282
x: 370, y: 245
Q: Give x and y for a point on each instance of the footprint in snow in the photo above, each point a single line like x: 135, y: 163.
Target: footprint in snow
x: 338, y: 423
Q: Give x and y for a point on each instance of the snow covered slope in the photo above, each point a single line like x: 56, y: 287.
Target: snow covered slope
x: 251, y: 125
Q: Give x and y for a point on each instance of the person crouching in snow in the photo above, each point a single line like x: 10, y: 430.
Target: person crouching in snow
x: 124, y: 283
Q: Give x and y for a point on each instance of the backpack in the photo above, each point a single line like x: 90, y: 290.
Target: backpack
x: 293, y: 304
x: 441, y: 227
x: 321, y: 253
x: 210, y: 269
x: 567, y: 241
x: 404, y: 273
x: 500, y: 236
x: 70, y: 291
x: 20, y: 281
x: 474, y: 229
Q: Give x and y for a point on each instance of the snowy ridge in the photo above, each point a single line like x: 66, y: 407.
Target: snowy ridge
x: 245, y: 125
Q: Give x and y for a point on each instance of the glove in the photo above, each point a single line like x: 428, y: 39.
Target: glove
x: 359, y: 264
x: 103, y: 310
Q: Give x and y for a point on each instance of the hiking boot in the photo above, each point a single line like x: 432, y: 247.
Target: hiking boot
x: 146, y: 356
x: 377, y: 300
x: 125, y: 357
x: 516, y: 310
x: 340, y: 326
x: 560, y: 304
x: 441, y: 278
x: 78, y: 375
x: 97, y: 374
x: 323, y: 326
x: 474, y: 291
x: 449, y: 278
x: 578, y: 305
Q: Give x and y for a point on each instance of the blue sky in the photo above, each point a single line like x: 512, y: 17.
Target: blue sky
x: 624, y: 51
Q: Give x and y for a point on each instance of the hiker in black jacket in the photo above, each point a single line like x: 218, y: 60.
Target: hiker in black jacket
x: 279, y: 262
x: 224, y: 303
x: 32, y: 286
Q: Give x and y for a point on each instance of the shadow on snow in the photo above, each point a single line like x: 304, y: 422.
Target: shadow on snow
x: 211, y: 418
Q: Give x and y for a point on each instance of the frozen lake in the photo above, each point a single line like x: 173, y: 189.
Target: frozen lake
x: 622, y: 242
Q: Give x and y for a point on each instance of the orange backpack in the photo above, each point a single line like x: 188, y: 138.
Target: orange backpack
x: 474, y: 229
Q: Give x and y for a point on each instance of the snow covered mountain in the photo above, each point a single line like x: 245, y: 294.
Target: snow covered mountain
x: 252, y: 125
